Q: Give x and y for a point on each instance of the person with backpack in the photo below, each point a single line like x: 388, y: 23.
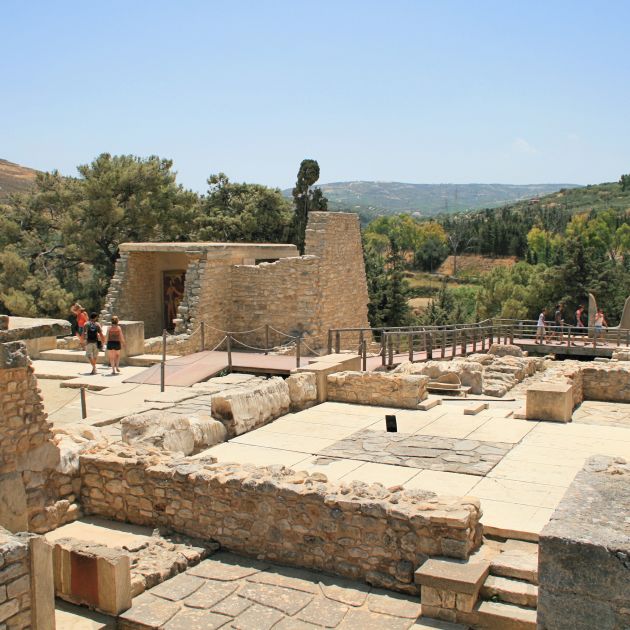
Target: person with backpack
x: 93, y: 339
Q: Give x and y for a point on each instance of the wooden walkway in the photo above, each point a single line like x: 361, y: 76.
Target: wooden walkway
x: 195, y: 368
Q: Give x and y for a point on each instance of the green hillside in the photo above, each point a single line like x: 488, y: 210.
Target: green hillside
x: 370, y: 199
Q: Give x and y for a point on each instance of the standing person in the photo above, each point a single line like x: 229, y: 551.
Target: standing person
x: 93, y: 340
x: 600, y: 323
x: 82, y: 320
x: 558, y: 320
x: 115, y: 342
x: 540, y: 327
x: 579, y: 321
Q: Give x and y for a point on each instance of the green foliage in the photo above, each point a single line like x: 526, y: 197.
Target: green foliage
x: 242, y: 212
x: 306, y: 199
x: 387, y: 286
x: 451, y: 306
x: 624, y: 181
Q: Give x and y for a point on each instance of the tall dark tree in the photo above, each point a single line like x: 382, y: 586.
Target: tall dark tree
x: 306, y: 199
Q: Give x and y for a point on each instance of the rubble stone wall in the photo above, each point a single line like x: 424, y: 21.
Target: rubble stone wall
x: 377, y: 388
x: 15, y: 582
x: 358, y: 531
x: 33, y: 495
x: 606, y: 382
x: 583, y: 561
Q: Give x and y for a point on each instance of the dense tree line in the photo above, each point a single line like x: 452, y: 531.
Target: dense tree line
x: 59, y: 243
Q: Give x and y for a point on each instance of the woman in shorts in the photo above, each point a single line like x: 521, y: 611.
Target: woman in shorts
x: 115, y: 342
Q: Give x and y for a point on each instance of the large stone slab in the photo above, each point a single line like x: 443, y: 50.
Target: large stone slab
x: 549, y: 401
x: 584, y: 570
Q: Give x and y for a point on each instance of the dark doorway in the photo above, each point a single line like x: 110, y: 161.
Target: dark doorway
x: 173, y: 292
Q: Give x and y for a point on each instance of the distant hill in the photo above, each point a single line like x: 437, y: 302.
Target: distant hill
x: 14, y: 179
x: 373, y: 198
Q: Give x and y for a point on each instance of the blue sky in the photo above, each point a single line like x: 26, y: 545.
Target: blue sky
x: 415, y: 91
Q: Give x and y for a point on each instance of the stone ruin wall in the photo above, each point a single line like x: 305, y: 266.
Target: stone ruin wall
x: 358, y: 531
x: 15, y: 582
x: 34, y: 496
x: 607, y: 382
x: 335, y: 238
x: 284, y: 294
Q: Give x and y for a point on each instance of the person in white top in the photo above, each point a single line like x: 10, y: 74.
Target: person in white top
x: 540, y: 327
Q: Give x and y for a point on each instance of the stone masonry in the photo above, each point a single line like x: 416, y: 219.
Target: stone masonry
x: 34, y: 496
x: 377, y: 388
x: 584, y: 557
x: 15, y: 582
x: 358, y: 531
x: 225, y: 288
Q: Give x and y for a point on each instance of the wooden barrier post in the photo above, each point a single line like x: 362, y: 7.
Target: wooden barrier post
x: 474, y: 340
x: 491, y: 334
x: 454, y: 343
x: 298, y: 351
x: 203, y: 336
x: 360, y: 341
x: 383, y: 347
x: 443, y: 348
x: 410, y: 344
x: 229, y: 351
x: 83, y: 404
x: 430, y: 347
x: 163, y: 363
x: 364, y: 355
x: 330, y: 335
x: 337, y: 342
x: 511, y: 334
x: 267, y: 338
x: 391, y: 349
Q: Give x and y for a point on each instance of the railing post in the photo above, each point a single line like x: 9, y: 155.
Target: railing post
x: 569, y: 336
x: 511, y: 334
x: 391, y: 350
x: 364, y: 355
x: 163, y: 363
x: 594, y: 338
x: 337, y: 342
x: 443, y: 348
x: 330, y: 335
x: 203, y: 336
x: 430, y: 347
x: 360, y: 340
x: 229, y: 351
x: 474, y: 340
x: 483, y: 339
x: 267, y: 337
x: 491, y: 333
x: 464, y: 342
x: 383, y: 347
x: 410, y: 344
x: 454, y: 343
x: 298, y: 351
x: 83, y: 404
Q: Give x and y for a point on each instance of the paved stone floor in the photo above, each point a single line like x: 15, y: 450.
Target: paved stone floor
x: 228, y: 591
x: 420, y: 451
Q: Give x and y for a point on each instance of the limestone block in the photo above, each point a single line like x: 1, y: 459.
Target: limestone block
x: 502, y: 350
x: 42, y: 584
x: 302, y: 390
x: 37, y: 345
x: 470, y: 373
x: 549, y: 401
x: 244, y: 409
x: 172, y: 432
x: 329, y: 364
x: 13, y: 511
x: 584, y: 549
x: 134, y: 339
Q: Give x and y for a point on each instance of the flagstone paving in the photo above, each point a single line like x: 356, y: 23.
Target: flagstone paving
x: 229, y: 591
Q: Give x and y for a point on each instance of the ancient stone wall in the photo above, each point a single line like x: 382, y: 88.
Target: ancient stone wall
x: 335, y: 238
x: 283, y: 294
x: 607, y: 382
x: 583, y: 560
x: 358, y: 531
x: 15, y: 582
x: 33, y: 495
x: 377, y: 388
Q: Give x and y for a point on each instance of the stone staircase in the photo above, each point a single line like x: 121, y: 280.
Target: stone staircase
x: 496, y: 589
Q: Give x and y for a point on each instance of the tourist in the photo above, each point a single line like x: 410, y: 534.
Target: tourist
x: 115, y: 342
x: 540, y: 327
x: 558, y: 320
x: 600, y: 323
x: 82, y: 317
x: 579, y: 322
x: 92, y: 338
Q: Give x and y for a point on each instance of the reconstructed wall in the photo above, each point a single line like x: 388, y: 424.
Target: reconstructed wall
x: 584, y: 553
x: 377, y: 388
x: 359, y: 531
x: 33, y: 495
x: 15, y: 582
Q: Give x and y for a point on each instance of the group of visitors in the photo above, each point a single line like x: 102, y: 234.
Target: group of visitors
x: 558, y: 328
x: 92, y: 338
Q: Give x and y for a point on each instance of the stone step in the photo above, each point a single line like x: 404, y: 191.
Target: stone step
x: 510, y: 591
x: 517, y: 565
x: 72, y: 356
x: 498, y: 616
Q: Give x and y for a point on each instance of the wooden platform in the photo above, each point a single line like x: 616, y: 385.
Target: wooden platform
x: 198, y: 367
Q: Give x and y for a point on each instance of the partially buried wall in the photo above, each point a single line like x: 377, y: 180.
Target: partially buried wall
x: 359, y: 531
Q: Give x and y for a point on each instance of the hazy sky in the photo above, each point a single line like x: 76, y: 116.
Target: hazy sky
x: 415, y: 91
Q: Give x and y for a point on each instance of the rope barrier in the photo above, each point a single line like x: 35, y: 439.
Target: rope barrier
x: 50, y: 413
x: 317, y: 354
